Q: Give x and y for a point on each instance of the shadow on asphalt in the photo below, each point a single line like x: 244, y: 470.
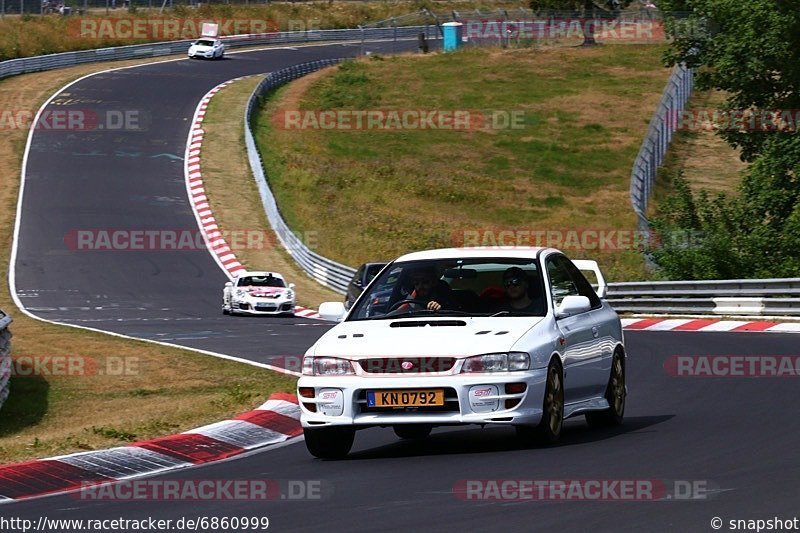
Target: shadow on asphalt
x: 500, y: 439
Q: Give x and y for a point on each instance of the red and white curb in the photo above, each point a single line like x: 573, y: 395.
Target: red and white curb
x: 708, y: 324
x: 219, y: 248
x: 277, y: 421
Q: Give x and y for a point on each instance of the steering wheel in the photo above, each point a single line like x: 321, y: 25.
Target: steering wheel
x: 396, y: 305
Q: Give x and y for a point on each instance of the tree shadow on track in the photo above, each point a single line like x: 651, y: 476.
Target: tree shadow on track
x: 501, y: 439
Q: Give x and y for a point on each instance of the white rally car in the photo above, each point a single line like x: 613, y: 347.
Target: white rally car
x: 207, y: 47
x: 258, y: 293
x: 466, y: 336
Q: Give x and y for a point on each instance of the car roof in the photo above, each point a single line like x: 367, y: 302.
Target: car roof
x: 525, y: 252
x: 260, y: 274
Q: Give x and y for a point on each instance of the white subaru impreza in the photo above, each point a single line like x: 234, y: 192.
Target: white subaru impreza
x: 483, y: 336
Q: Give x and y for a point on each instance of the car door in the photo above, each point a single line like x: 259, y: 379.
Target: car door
x: 605, y: 331
x: 579, y: 332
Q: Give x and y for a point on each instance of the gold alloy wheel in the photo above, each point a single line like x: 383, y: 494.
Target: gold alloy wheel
x: 554, y: 401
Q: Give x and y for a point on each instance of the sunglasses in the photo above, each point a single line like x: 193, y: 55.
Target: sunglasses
x: 513, y: 282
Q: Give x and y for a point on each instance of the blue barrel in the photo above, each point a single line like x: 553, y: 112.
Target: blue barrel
x: 451, y: 35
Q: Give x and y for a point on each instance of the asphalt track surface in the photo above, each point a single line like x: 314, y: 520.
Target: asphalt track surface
x: 134, y: 180
x: 737, y: 437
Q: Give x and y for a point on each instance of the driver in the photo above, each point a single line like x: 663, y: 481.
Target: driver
x: 428, y: 289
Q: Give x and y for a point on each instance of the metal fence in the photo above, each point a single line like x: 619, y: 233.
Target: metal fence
x: 656, y: 142
x: 326, y: 271
x: 5, y: 356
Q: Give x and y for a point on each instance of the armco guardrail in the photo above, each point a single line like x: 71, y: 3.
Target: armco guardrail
x: 25, y: 65
x: 752, y: 297
x: 330, y: 273
x: 5, y: 356
x: 659, y: 135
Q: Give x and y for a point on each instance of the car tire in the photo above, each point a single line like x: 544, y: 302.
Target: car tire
x: 412, y: 431
x: 615, y: 395
x: 330, y: 442
x: 225, y: 311
x: 549, y: 429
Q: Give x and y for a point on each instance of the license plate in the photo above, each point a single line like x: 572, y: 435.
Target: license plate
x: 405, y: 398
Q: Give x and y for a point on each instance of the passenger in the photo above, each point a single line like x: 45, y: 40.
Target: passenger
x: 518, y: 292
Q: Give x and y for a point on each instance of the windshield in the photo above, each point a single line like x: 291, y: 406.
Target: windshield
x: 204, y: 42
x: 458, y: 287
x: 260, y: 281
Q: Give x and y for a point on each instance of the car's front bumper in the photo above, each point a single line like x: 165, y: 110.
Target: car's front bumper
x: 263, y: 307
x: 459, y: 407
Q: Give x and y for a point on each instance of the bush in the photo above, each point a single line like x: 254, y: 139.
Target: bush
x: 753, y: 235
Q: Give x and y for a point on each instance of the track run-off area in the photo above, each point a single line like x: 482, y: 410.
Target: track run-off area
x: 734, y: 440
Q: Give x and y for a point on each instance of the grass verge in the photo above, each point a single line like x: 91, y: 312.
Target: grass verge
x: 233, y: 194
x: 47, y: 415
x: 566, y: 169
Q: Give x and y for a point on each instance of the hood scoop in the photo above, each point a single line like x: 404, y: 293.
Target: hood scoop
x: 423, y: 323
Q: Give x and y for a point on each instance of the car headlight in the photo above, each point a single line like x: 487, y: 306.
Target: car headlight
x: 497, y: 362
x: 289, y: 295
x: 241, y: 293
x: 327, y: 366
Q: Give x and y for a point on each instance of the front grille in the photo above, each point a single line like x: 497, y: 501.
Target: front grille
x: 265, y: 307
x: 450, y: 405
x: 407, y: 365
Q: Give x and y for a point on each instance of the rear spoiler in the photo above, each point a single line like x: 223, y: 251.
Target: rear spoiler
x: 591, y: 266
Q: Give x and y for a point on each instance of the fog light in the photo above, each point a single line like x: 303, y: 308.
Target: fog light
x: 516, y: 388
x: 311, y: 407
x: 510, y: 404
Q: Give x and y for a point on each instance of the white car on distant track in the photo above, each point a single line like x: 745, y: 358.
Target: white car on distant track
x: 258, y: 293
x: 486, y: 336
x: 207, y: 47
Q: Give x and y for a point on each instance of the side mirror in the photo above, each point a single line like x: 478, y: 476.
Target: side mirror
x: 573, y: 305
x: 291, y: 286
x: 333, y: 311
x: 229, y: 284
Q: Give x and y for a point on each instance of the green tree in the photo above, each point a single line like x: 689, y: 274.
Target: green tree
x: 751, y: 50
x: 586, y: 9
x: 748, y: 48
